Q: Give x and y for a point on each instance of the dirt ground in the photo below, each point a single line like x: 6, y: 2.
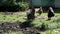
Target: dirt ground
x: 5, y: 27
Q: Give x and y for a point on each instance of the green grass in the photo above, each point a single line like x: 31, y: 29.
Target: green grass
x: 21, y: 17
x: 17, y: 17
x: 53, y: 23
x: 55, y: 31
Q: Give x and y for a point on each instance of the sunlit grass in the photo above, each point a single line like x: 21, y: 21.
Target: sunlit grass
x: 55, y: 31
x: 18, y: 17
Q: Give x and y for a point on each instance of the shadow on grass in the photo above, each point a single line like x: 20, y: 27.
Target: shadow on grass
x: 25, y: 24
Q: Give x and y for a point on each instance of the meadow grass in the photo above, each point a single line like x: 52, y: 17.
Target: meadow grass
x: 54, y: 31
x: 17, y: 17
x: 21, y: 17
